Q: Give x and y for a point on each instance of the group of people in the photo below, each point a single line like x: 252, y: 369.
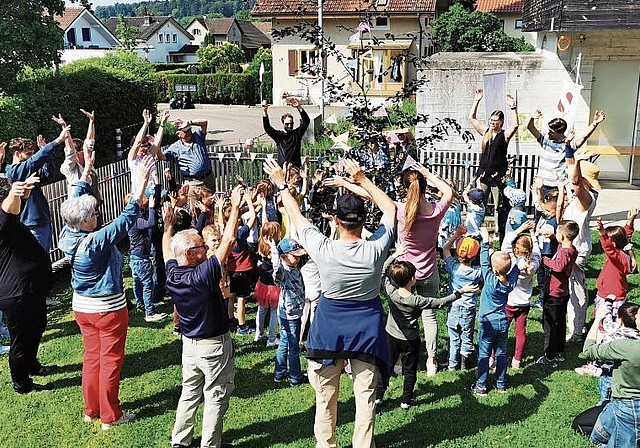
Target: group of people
x: 317, y: 276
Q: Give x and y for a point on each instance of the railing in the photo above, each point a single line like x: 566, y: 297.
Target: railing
x: 229, y: 161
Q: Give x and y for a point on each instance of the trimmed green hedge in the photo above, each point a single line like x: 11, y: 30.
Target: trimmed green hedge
x: 117, y: 88
x: 216, y: 88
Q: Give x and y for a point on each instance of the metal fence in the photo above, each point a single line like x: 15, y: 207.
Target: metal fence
x: 229, y: 161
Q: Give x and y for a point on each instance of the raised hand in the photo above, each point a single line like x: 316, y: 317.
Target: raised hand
x: 164, y: 116
x: 41, y: 141
x: 3, y: 152
x: 599, y: 224
x: 469, y: 288
x: 511, y: 101
x: 294, y: 102
x: 354, y: 170
x: 334, y: 181
x: 631, y: 214
x: 168, y: 215
x: 401, y: 249
x: 460, y: 230
x: 147, y: 164
x: 265, y: 106
x: 485, y: 234
x: 89, y: 115
x: 536, y: 114
x: 599, y: 117
x: 59, y: 120
x: 274, y: 171
x: 236, y: 196
x: 479, y: 93
x: 146, y: 116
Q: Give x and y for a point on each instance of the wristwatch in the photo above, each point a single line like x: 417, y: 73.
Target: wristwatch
x: 281, y: 187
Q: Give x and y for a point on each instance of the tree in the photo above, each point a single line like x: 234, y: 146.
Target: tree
x: 126, y: 34
x: 215, y: 58
x: 462, y: 30
x: 262, y: 56
x: 209, y: 39
x: 30, y: 37
x: 244, y: 15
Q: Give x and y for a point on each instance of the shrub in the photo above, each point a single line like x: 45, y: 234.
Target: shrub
x: 218, y: 88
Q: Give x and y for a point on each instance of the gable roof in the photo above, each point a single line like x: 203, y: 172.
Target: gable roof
x: 264, y: 28
x: 220, y: 25
x: 252, y: 37
x: 69, y: 16
x: 148, y: 25
x: 500, y: 6
x: 340, y: 7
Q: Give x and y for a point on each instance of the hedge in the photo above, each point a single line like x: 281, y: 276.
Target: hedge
x: 116, y: 88
x: 216, y: 88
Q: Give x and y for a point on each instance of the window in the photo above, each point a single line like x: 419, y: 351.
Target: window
x: 382, y: 2
x: 518, y: 24
x: 160, y: 37
x: 86, y: 34
x: 196, y: 31
x: 174, y: 38
x: 167, y: 38
x: 380, y: 23
x: 304, y: 62
x: 381, y: 70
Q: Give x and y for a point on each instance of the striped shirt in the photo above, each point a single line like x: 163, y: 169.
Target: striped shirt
x: 92, y: 305
x: 552, y: 164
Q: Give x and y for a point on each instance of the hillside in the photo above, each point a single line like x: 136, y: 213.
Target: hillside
x: 175, y: 8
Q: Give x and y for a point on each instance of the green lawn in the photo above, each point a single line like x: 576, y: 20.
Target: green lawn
x: 537, y: 410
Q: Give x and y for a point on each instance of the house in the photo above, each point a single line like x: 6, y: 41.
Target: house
x: 510, y: 14
x: 159, y: 38
x: 84, y: 35
x: 374, y: 60
x: 600, y: 42
x: 248, y: 36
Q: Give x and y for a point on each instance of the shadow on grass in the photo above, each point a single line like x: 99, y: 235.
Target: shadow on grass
x: 156, y: 404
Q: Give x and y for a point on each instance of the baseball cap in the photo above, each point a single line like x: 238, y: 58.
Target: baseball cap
x: 476, y: 195
x: 515, y: 195
x: 290, y: 246
x: 181, y: 125
x: 468, y: 248
x: 350, y: 208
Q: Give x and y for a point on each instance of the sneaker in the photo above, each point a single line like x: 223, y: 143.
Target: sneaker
x: 245, y: 330
x: 575, y: 338
x: 258, y: 337
x: 432, y: 369
x: 588, y: 369
x: 155, y: 317
x: 560, y: 357
x: 126, y: 418
x: 405, y: 406
x: 88, y: 419
x: 379, y: 402
x: 33, y: 388
x: 277, y: 380
x: 537, y: 305
x: 480, y: 391
x: 273, y: 343
x: 515, y: 364
x: 47, y: 370
x: 501, y: 390
x: 546, y: 361
x: 4, y: 349
x: 50, y: 302
x: 176, y: 331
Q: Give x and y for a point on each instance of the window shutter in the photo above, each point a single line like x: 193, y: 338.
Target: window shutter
x: 293, y: 62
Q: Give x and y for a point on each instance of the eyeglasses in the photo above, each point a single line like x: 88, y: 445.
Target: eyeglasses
x: 202, y: 246
x: 288, y: 123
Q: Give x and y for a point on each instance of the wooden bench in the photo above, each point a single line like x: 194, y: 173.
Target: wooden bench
x: 609, y: 150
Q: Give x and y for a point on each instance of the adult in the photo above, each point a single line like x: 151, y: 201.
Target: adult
x: 289, y: 141
x: 418, y: 224
x: 25, y: 280
x: 144, y: 144
x: 35, y: 213
x: 618, y: 425
x: 580, y: 207
x: 348, y: 323
x: 190, y: 152
x: 493, y: 160
x: 208, y: 359
x: 99, y: 303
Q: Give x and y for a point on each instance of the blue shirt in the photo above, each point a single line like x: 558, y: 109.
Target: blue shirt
x: 493, y: 299
x: 195, y: 291
x: 193, y: 157
x: 460, y: 275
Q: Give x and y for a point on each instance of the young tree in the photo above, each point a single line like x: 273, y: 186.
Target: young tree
x: 126, y: 34
x: 219, y: 57
x: 462, y: 30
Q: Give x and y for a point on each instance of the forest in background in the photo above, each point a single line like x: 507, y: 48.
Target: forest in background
x: 179, y: 9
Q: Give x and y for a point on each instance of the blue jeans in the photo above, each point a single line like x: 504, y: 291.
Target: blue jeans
x: 618, y: 425
x: 604, y: 387
x: 492, y: 334
x: 289, y: 348
x: 460, y: 324
x: 142, y: 273
x: 43, y: 235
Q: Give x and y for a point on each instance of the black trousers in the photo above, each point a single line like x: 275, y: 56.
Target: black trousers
x: 554, y: 323
x: 408, y: 352
x: 26, y: 318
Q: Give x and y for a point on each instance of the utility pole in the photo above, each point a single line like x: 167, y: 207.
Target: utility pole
x: 321, y: 58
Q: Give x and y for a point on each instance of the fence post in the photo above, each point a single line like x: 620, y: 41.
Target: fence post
x: 119, y: 142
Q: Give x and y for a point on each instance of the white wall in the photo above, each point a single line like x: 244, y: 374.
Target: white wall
x: 155, y: 51
x: 198, y: 31
x: 99, y: 37
x: 71, y: 55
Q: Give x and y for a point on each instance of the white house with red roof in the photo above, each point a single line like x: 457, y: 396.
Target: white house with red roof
x: 84, y: 35
x: 510, y: 13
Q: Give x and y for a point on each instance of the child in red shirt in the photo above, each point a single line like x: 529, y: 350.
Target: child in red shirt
x: 556, y: 289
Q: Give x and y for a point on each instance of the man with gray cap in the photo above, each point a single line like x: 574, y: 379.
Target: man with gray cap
x: 190, y: 151
x: 349, y: 321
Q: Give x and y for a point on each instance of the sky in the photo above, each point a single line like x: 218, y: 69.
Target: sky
x: 104, y: 2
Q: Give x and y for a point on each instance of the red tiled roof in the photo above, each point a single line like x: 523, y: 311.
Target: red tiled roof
x: 264, y: 27
x: 350, y: 7
x: 70, y: 14
x: 219, y: 25
x: 500, y: 6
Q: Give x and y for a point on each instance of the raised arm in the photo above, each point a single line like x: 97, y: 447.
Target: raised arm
x: 478, y: 126
x: 531, y: 124
x: 444, y: 187
x: 146, y: 119
x: 277, y: 176
x: 446, y: 248
x: 91, y: 129
x: 19, y: 190
x: 229, y: 235
x: 157, y: 140
x: 248, y: 198
x: 378, y: 197
x: 169, y: 218
x: 579, y: 188
x: 513, y: 107
x: 598, y: 118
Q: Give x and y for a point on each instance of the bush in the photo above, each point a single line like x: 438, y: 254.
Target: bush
x: 170, y: 66
x: 218, y: 88
x: 118, y: 87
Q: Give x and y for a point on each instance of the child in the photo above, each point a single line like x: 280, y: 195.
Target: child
x: 556, y: 290
x: 462, y: 313
x: 403, y: 337
x: 267, y: 292
x: 140, y: 258
x: 286, y: 273
x: 493, y: 333
x: 545, y: 234
x: 523, y: 250
x: 451, y: 220
x: 474, y: 197
x: 517, y: 216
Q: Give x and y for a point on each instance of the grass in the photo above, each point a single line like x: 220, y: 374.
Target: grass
x: 537, y: 410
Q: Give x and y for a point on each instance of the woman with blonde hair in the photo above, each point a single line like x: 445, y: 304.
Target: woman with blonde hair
x: 418, y: 223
